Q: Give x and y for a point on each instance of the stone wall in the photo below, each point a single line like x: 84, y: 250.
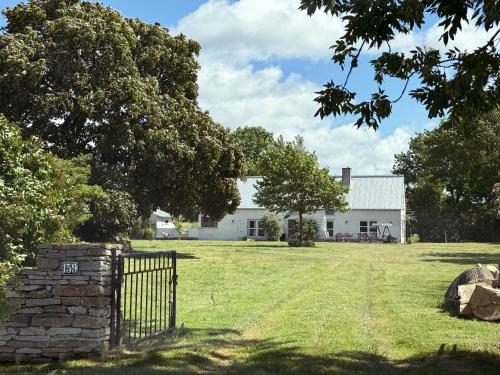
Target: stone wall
x: 60, y: 316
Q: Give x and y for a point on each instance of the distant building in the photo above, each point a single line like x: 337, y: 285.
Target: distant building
x: 372, y: 201
x: 164, y: 226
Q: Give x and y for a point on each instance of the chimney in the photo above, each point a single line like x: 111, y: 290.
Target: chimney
x: 346, y: 176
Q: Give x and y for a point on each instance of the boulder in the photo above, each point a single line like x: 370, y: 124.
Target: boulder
x: 485, y: 302
x: 479, y: 274
x: 465, y: 292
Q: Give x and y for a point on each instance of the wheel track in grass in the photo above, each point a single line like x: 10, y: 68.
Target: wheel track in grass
x: 312, y: 286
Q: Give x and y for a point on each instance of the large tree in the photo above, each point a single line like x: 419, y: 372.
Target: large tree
x: 253, y: 140
x: 449, y: 173
x: 460, y: 83
x: 88, y: 81
x: 293, y: 181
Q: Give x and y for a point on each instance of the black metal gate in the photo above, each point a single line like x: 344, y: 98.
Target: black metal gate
x: 143, y: 295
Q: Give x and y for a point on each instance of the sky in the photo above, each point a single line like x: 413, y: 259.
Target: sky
x: 262, y: 62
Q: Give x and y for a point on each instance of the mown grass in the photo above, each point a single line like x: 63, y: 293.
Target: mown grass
x: 261, y: 307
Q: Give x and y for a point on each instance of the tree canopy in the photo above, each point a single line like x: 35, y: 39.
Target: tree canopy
x: 293, y: 181
x: 88, y: 81
x: 457, y: 82
x: 253, y: 140
x: 449, y: 174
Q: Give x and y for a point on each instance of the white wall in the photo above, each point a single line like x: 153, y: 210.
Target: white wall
x: 234, y: 227
x: 348, y: 222
x: 231, y: 227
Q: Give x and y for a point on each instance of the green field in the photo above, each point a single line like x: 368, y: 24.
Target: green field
x: 261, y: 307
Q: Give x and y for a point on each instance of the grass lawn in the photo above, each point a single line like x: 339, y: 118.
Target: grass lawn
x: 261, y: 307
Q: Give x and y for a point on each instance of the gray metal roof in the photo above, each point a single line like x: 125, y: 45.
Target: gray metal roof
x: 365, y: 193
x: 161, y: 213
x: 376, y: 193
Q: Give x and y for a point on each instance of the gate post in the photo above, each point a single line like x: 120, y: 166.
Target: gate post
x: 174, y: 290
x: 64, y: 304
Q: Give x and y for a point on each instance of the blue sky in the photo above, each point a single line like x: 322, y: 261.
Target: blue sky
x: 262, y: 61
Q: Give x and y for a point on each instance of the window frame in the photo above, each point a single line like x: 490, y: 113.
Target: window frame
x: 330, y: 230
x: 369, y: 227
x: 255, y: 229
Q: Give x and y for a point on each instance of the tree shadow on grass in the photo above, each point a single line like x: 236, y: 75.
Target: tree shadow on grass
x: 225, y: 351
x: 464, y: 258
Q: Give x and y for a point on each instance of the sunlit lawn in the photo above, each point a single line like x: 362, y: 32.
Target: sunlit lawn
x: 260, y: 307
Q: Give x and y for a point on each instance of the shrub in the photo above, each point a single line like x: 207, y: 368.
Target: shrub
x: 414, y: 238
x: 180, y: 225
x: 6, y: 308
x: 113, y: 215
x: 310, y: 229
x: 42, y: 198
x: 273, y: 225
x: 295, y: 242
x: 142, y: 230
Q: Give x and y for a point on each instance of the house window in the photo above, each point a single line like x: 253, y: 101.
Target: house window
x: 256, y: 228
x: 369, y: 227
x: 329, y: 228
x: 206, y: 222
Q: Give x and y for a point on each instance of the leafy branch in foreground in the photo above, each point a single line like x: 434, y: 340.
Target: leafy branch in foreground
x: 462, y: 84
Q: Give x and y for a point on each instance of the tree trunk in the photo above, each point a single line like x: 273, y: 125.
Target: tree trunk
x: 301, y: 227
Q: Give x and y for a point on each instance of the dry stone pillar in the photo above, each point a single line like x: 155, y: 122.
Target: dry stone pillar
x: 64, y: 305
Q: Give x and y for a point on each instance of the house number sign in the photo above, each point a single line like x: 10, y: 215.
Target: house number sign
x: 69, y: 268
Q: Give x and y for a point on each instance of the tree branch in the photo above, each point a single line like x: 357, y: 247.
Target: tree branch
x: 404, y: 89
x: 354, y: 59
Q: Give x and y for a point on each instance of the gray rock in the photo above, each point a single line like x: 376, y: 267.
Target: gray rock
x: 64, y: 331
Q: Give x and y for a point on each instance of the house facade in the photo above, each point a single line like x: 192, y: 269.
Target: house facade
x: 373, y: 202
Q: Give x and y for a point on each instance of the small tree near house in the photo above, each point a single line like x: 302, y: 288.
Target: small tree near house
x: 180, y: 225
x: 273, y: 225
x: 293, y: 181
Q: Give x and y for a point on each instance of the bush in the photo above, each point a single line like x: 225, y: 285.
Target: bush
x: 113, y: 215
x: 273, y: 225
x: 310, y: 229
x: 295, y: 242
x: 42, y: 198
x: 142, y: 230
x: 414, y: 238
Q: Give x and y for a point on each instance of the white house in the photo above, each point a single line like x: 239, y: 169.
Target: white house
x: 163, y: 224
x: 372, y: 200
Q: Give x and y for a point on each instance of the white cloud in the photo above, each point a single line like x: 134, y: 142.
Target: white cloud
x: 260, y: 30
x: 467, y: 39
x: 364, y: 150
x: 237, y: 96
x: 233, y: 35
